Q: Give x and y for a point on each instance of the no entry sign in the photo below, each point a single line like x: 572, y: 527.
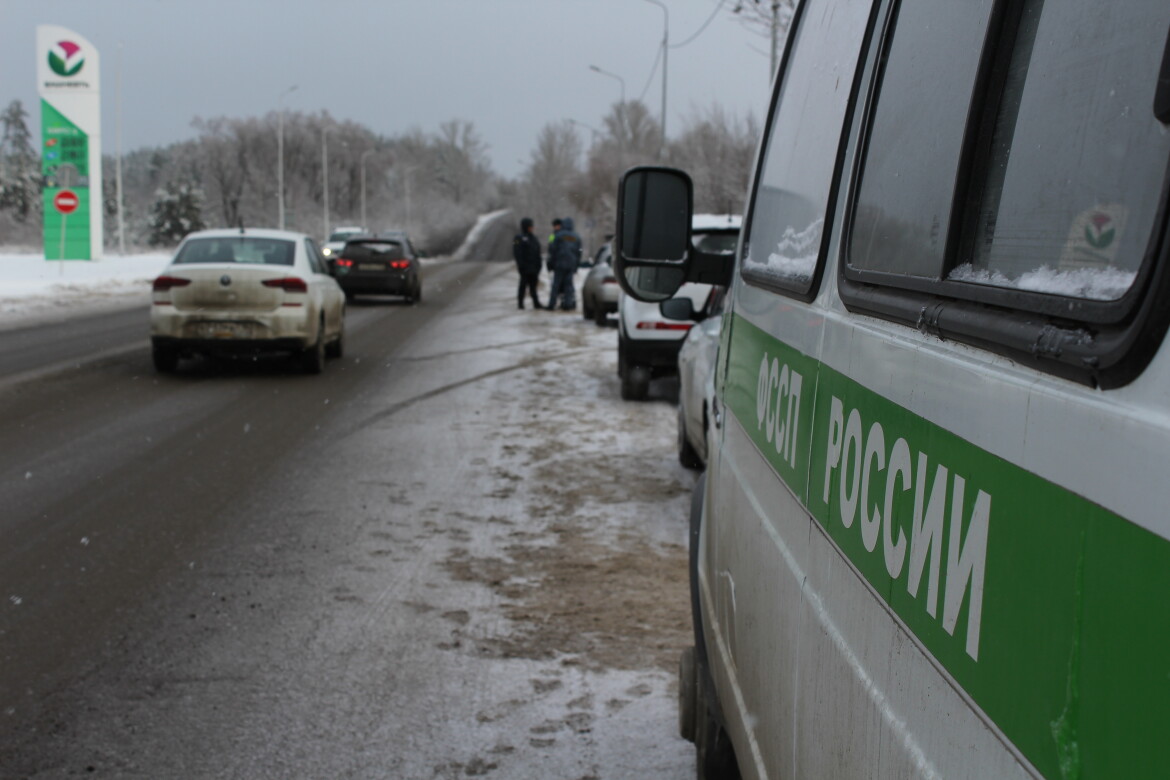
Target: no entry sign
x: 65, y: 201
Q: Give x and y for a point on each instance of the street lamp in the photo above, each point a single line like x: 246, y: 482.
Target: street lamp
x: 362, y: 162
x: 621, y: 81
x: 280, y: 157
x: 325, y: 179
x: 665, y: 49
x: 593, y: 130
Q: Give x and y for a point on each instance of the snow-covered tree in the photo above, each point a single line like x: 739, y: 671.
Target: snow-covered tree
x: 20, y: 180
x: 177, y: 211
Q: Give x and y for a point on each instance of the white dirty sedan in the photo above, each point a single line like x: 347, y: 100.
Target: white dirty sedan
x: 247, y: 291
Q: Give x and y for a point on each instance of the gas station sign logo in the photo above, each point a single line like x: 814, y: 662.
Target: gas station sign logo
x: 66, y: 58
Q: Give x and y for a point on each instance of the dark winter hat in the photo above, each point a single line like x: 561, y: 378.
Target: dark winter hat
x: 556, y: 221
x: 525, y: 223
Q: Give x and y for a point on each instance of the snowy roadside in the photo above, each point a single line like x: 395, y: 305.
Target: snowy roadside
x: 33, y: 290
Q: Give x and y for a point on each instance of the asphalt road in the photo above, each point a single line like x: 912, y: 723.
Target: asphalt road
x: 114, y: 475
x: 225, y: 573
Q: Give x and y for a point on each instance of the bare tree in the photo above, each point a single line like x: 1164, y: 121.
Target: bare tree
x: 716, y: 149
x: 770, y: 19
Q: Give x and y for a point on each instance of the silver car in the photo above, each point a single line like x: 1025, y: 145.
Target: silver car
x: 696, y: 373
x: 247, y: 292
x: 599, y: 292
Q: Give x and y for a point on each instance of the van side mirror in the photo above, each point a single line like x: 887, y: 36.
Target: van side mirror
x: 681, y: 308
x: 652, y: 242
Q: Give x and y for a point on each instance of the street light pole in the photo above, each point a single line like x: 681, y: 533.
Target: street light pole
x: 621, y: 81
x: 280, y: 157
x: 362, y: 162
x: 665, y: 50
x: 325, y: 180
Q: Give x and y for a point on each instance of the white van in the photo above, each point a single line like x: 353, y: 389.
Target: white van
x: 933, y: 538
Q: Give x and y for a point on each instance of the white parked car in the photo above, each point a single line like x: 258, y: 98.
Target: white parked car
x: 648, y: 342
x: 696, y: 380
x: 336, y: 241
x: 247, y: 291
x: 600, y: 291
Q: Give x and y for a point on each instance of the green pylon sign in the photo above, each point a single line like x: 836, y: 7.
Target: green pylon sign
x: 68, y: 81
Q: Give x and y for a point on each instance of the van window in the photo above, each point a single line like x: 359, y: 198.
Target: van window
x: 1067, y: 177
x: 795, y: 185
x: 911, y: 168
x: 1077, y: 157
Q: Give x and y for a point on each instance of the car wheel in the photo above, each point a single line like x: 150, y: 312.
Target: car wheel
x: 348, y: 296
x: 313, y: 358
x: 336, y: 348
x: 166, y: 361
x: 586, y: 309
x: 600, y: 316
x: 621, y: 367
x: 418, y: 292
x: 686, y: 453
x: 635, y: 383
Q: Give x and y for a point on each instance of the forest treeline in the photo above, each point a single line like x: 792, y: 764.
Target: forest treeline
x: 432, y: 183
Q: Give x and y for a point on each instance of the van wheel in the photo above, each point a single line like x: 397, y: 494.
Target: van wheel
x: 635, y: 383
x: 686, y: 453
x: 686, y: 694
x: 714, y: 755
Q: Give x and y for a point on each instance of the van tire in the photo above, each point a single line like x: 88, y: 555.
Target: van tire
x: 687, y: 455
x: 714, y: 755
x: 635, y: 383
x: 687, y: 683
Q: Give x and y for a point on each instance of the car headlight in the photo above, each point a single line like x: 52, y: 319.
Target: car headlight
x: 327, y: 251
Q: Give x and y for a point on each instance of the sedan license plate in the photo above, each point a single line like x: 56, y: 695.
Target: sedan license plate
x: 371, y: 267
x: 224, y: 330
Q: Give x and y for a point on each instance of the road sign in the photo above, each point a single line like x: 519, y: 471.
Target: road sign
x: 66, y: 201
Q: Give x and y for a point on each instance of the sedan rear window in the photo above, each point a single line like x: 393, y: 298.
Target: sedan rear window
x: 373, y: 250
x: 237, y: 249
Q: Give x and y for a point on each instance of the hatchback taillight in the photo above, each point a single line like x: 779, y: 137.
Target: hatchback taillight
x: 165, y: 283
x: 343, y: 262
x: 289, y: 284
x: 400, y: 264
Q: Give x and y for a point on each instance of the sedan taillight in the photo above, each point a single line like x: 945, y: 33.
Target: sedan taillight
x: 165, y: 283
x: 289, y: 284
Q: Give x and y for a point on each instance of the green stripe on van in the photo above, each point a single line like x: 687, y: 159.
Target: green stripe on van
x: 1049, y: 610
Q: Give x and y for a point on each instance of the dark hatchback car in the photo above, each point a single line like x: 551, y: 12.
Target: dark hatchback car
x: 377, y: 265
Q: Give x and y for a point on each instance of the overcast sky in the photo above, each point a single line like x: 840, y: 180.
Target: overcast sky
x: 508, y: 66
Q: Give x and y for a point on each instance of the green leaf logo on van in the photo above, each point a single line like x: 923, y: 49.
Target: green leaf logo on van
x: 1099, y: 231
x: 66, y: 58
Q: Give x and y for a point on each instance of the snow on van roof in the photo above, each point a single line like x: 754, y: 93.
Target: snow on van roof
x: 715, y: 221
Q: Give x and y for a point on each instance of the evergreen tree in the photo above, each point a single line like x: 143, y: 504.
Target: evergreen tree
x: 20, y: 180
x: 177, y: 211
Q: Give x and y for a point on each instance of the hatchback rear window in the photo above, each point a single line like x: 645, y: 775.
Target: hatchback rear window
x: 371, y: 250
x: 237, y: 249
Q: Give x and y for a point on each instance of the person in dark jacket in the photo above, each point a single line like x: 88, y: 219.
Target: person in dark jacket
x: 556, y: 225
x: 564, y: 257
x: 526, y: 252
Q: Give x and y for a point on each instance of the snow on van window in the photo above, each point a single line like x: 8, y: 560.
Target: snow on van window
x: 1097, y: 284
x: 795, y: 256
